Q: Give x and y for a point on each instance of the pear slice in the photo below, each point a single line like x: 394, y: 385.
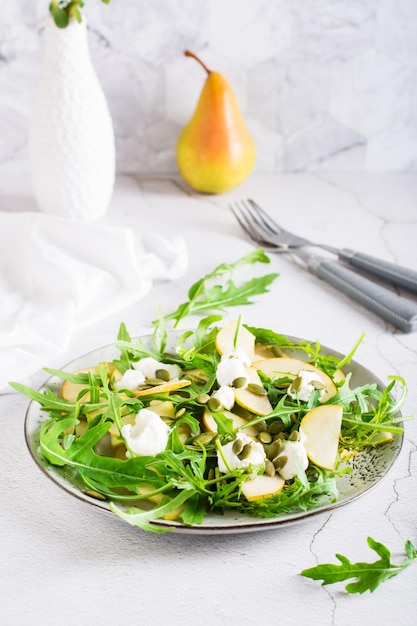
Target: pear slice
x: 171, y: 385
x: 238, y: 422
x: 70, y: 391
x: 263, y: 351
x: 197, y: 375
x: 381, y: 438
x: 130, y: 418
x: 175, y: 513
x: 262, y: 487
x: 282, y: 366
x: 321, y: 427
x: 157, y: 499
x: 339, y: 376
x: 225, y: 340
x: 163, y: 408
x: 259, y: 405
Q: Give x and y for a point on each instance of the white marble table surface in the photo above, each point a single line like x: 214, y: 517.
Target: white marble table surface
x: 65, y: 562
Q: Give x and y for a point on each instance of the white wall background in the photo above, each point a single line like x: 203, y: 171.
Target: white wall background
x: 323, y: 84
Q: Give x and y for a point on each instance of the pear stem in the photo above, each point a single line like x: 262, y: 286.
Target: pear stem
x: 194, y: 56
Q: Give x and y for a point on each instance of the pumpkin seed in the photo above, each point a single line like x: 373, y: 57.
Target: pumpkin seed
x: 261, y: 426
x: 276, y: 350
x: 269, y: 468
x: 203, y: 398
x: 239, y: 382
x: 239, y: 410
x: 257, y: 389
x: 280, y: 436
x: 204, y: 438
x: 318, y: 384
x: 265, y: 437
x: 294, y: 436
x: 282, y: 383
x: 237, y: 446
x: 94, y: 494
x: 183, y: 394
x: 196, y: 379
x: 279, y: 462
x: 214, y: 404
x: 274, y: 449
x: 163, y: 375
x: 180, y: 413
x: 153, y: 382
x: 276, y: 427
x: 246, y: 450
x: 296, y: 384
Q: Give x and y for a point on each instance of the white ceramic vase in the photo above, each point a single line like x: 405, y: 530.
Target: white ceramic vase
x: 71, y: 138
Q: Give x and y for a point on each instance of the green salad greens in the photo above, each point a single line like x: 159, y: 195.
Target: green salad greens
x: 230, y: 417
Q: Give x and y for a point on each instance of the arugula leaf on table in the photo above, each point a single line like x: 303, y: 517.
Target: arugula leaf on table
x: 368, y: 575
x: 216, y: 292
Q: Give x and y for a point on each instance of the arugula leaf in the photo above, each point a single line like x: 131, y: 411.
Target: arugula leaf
x: 194, y: 511
x: 123, y: 363
x: 48, y: 400
x: 224, y: 424
x: 142, y: 519
x: 368, y: 575
x: 206, y: 296
x: 50, y: 446
x: 267, y: 336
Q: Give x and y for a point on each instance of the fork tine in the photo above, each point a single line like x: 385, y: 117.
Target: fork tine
x: 255, y: 225
x: 242, y: 219
x: 267, y: 220
x: 256, y: 220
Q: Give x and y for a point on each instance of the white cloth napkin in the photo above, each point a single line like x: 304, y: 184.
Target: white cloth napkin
x: 57, y: 277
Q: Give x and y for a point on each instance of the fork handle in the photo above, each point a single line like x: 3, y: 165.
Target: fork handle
x: 398, y: 311
x: 402, y: 276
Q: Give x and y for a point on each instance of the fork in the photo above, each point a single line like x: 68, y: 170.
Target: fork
x: 259, y: 224
x: 264, y: 231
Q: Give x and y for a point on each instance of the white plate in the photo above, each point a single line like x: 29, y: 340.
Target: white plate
x: 369, y: 467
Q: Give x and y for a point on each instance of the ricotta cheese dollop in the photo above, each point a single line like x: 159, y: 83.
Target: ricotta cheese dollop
x: 148, y: 435
x: 306, y: 387
x: 131, y: 380
x: 149, y: 366
x: 296, y: 457
x: 237, y: 353
x: 232, y: 365
x: 225, y: 395
x: 256, y: 458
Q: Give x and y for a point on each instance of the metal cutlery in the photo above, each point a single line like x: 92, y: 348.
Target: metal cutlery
x: 399, y: 311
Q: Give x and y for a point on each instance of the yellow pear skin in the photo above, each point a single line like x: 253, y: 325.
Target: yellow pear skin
x: 215, y: 151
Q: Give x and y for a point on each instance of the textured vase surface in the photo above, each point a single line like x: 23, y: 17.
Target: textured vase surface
x: 71, y: 138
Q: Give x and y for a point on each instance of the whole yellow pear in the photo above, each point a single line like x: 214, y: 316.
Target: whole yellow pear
x: 215, y: 151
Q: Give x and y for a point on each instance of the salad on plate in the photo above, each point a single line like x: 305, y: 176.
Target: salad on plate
x: 227, y: 417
